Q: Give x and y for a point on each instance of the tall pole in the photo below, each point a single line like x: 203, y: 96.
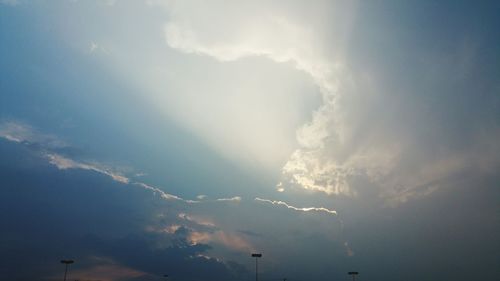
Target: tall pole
x: 256, y: 256
x: 256, y: 269
x: 353, y: 274
x: 65, y: 271
x: 66, y: 263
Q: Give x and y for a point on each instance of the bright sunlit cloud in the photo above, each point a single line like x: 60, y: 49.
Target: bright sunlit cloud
x: 144, y: 138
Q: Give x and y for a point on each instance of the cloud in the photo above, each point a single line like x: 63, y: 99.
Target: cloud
x: 273, y: 35
x: 347, y: 136
x: 95, y: 48
x: 307, y: 209
x: 116, y: 226
x: 279, y: 187
x: 259, y: 126
x: 162, y: 193
x: 64, y: 163
x: 25, y: 134
x: 378, y: 135
x: 22, y: 133
x: 179, y: 259
x: 232, y: 199
x: 229, y: 240
x: 197, y: 220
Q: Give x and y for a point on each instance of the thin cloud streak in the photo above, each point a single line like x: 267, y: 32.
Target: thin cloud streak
x: 63, y: 163
x: 307, y: 209
x: 232, y: 199
x: 18, y: 132
x: 163, y: 194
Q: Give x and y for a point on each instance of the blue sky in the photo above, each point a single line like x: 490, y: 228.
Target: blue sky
x: 143, y: 138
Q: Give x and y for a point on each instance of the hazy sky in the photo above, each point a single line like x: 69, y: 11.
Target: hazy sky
x: 143, y: 138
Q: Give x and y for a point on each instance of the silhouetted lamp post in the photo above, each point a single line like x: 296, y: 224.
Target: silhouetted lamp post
x: 256, y: 256
x: 353, y: 273
x: 66, y: 262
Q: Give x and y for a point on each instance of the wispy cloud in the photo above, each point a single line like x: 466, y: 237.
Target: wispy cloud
x: 94, y: 47
x: 163, y: 194
x: 64, y: 163
x: 197, y: 220
x: 229, y: 240
x: 232, y: 199
x: 306, y: 209
x: 23, y: 133
x: 279, y: 187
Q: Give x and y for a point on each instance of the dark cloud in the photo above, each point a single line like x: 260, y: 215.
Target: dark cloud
x: 142, y: 252
x: 49, y: 214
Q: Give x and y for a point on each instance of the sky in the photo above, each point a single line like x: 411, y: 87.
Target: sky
x: 151, y: 138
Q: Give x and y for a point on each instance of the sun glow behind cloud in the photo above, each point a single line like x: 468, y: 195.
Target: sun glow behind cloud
x: 328, y: 150
x: 315, y: 132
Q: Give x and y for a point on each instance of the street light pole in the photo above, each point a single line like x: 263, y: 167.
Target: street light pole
x: 256, y: 256
x: 353, y: 273
x: 66, y: 262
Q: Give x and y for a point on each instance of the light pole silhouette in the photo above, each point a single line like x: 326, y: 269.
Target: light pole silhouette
x: 353, y: 273
x: 256, y: 256
x: 66, y: 262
